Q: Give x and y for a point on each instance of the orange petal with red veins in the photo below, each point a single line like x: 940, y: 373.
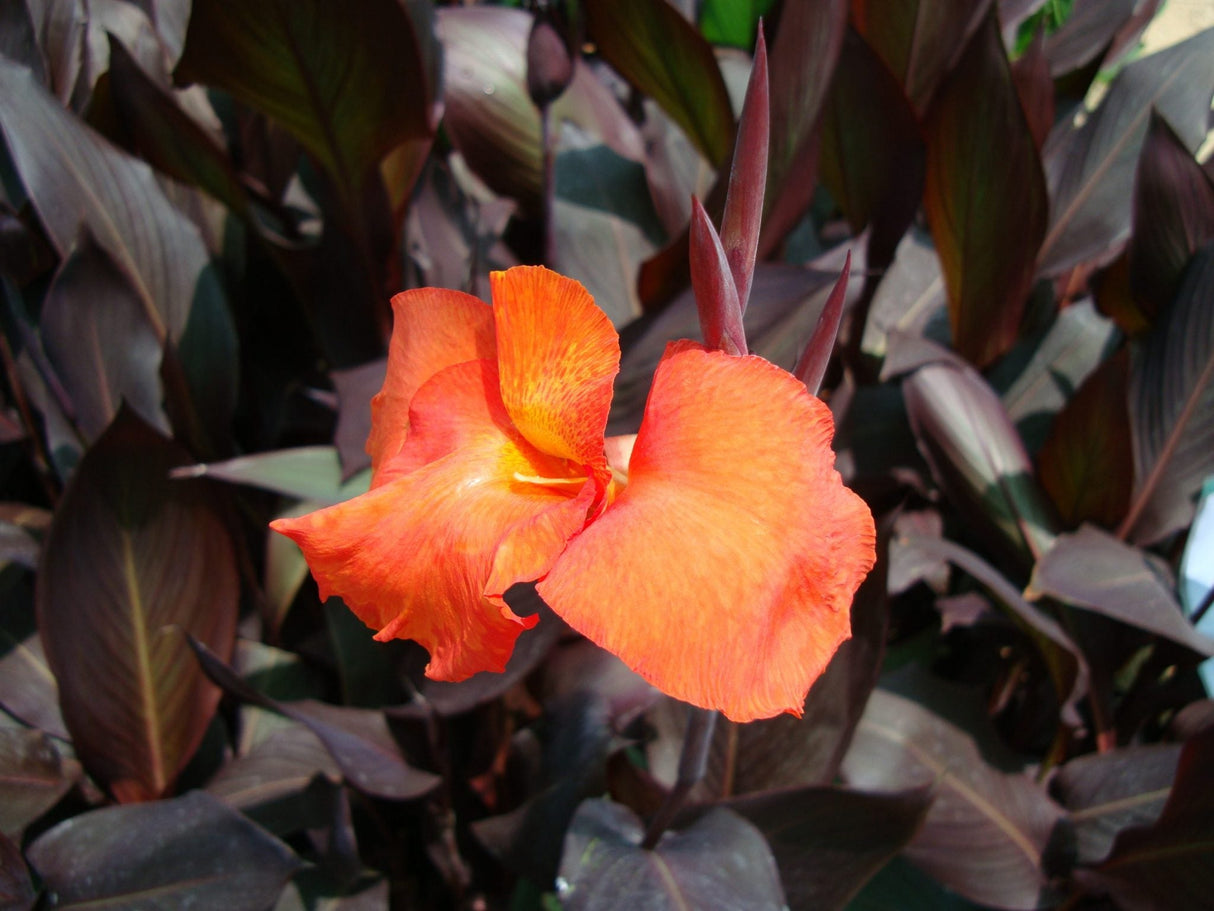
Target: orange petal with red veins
x: 433, y: 328
x: 724, y: 571
x: 558, y: 355
x: 413, y: 557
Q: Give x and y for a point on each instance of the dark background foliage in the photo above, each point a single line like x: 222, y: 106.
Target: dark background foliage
x: 204, y: 209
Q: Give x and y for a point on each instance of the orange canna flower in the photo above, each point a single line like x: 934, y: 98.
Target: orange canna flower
x: 722, y: 571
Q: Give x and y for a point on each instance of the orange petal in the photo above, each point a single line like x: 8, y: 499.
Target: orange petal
x: 558, y: 355
x: 724, y: 571
x: 413, y: 557
x: 433, y: 328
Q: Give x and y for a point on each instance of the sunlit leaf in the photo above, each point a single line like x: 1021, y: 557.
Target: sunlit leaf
x: 720, y: 861
x: 187, y: 851
x: 33, y: 776
x: 732, y: 22
x: 1090, y: 167
x: 305, y: 472
x: 132, y: 560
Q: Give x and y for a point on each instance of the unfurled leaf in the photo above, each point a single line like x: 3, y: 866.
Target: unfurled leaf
x: 349, y: 83
x: 355, y: 387
x: 74, y: 177
x: 720, y: 861
x: 909, y: 298
x: 828, y: 842
x: 977, y: 456
x: 1169, y: 864
x: 1085, y: 465
x: 307, y: 472
x: 33, y: 776
x: 1173, y: 216
x: 1171, y: 399
x: 133, y: 562
x: 902, y: 885
x: 1035, y: 89
x: 986, y: 833
x: 27, y: 687
x: 658, y: 51
x: 1086, y: 34
x: 1108, y: 792
x: 1090, y: 168
x: 16, y: 888
x: 984, y: 191
x: 1092, y: 569
x: 100, y: 340
x: 190, y: 851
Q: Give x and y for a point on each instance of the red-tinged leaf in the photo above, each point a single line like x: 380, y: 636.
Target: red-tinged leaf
x: 16, y: 888
x: 983, y: 176
x: 661, y: 54
x: 33, y: 777
x: 919, y: 39
x: 872, y: 152
x: 1169, y: 864
x: 803, y: 57
x: 977, y: 457
x: 1171, y: 399
x: 1173, y: 217
x: 1108, y: 792
x: 720, y: 861
x: 349, y: 83
x: 98, y: 336
x: 190, y: 851
x: 305, y: 472
x: 743, y: 215
x: 712, y: 284
x: 157, y: 129
x: 133, y: 561
x: 1111, y: 291
x: 811, y: 366
x: 1035, y: 89
x: 358, y: 739
x: 986, y: 833
x: 1086, y: 466
x: 1093, y: 570
x: 73, y: 177
x: 1090, y: 168
x: 828, y: 842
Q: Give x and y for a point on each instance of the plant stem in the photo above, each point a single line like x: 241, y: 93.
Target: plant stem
x: 692, y: 763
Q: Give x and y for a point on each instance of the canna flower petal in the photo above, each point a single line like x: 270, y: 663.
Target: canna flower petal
x: 428, y: 554
x: 723, y: 573
x: 433, y: 328
x: 558, y: 355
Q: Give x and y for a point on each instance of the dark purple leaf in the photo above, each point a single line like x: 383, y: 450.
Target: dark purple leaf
x: 909, y: 564
x: 549, y: 60
x: 27, y: 687
x: 983, y: 176
x: 190, y: 851
x: 661, y: 54
x: 828, y: 842
x: 132, y: 563
x: 1085, y: 465
x: 349, y: 83
x: 277, y: 768
x: 977, y: 457
x: 1090, y: 167
x: 919, y: 39
x: 1173, y: 217
x: 16, y: 889
x: 355, y: 387
x: 909, y: 297
x: 98, y: 337
x: 712, y: 284
x: 1035, y: 89
x: 1092, y: 569
x: 720, y: 861
x: 1169, y: 864
x: 811, y: 366
x: 33, y: 776
x: 1086, y: 34
x: 1108, y: 792
x: 986, y: 831
x: 1171, y: 398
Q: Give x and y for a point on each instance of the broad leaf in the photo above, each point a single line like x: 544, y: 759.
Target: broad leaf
x: 983, y: 175
x: 1173, y: 216
x: 1094, y: 570
x: 188, y: 851
x: 720, y: 861
x: 27, y: 687
x: 16, y: 888
x: 1086, y: 34
x: 1090, y: 168
x: 732, y: 22
x: 350, y: 83
x: 355, y: 387
x: 33, y: 776
x: 307, y: 473
x: 828, y: 842
x: 1171, y: 398
x: 134, y: 561
x: 1108, y: 792
x: 658, y: 51
x: 986, y: 831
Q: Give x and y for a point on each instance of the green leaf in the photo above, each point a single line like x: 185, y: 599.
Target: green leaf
x: 133, y: 560
x: 733, y: 22
x: 310, y: 473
